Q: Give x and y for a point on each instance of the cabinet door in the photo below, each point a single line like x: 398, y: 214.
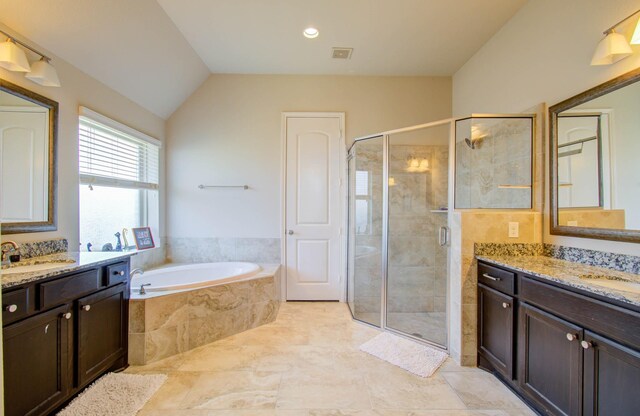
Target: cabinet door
x: 495, y: 329
x: 102, y: 332
x: 611, y: 377
x: 550, y: 361
x: 36, y: 363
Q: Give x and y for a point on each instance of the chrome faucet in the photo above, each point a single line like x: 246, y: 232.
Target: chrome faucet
x: 14, y: 247
x: 142, y: 291
x: 136, y: 271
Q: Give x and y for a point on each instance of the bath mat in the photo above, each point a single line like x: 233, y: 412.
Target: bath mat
x: 115, y: 394
x: 416, y: 358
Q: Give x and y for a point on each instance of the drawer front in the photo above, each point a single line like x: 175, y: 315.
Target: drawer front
x: 616, y: 322
x: 68, y: 288
x: 497, y: 278
x: 117, y: 273
x: 15, y: 305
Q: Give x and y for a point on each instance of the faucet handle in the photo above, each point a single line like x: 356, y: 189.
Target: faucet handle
x: 142, y: 291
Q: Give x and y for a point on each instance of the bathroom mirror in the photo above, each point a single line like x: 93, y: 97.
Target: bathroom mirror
x: 28, y: 137
x: 595, y: 149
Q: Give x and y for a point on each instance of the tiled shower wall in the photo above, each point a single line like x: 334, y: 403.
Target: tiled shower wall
x: 501, y: 159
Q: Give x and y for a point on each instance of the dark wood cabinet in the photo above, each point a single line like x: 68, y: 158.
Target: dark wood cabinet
x: 550, y: 370
x: 36, y: 362
x: 102, y: 332
x: 496, y: 328
x: 59, y: 341
x: 571, y: 353
x: 611, y: 377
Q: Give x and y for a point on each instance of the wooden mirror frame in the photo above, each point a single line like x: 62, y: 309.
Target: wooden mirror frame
x: 51, y: 223
x: 584, y: 232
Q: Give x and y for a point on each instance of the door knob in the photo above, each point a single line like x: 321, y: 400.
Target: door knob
x: 571, y: 337
x: 11, y: 308
x: 86, y: 308
x: 290, y: 232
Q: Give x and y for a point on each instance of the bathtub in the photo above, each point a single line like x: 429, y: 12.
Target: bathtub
x: 190, y: 305
x: 192, y: 276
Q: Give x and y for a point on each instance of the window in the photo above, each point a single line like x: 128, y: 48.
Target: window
x: 363, y: 202
x: 119, y: 177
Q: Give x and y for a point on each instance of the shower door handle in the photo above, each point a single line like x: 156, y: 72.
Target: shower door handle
x: 443, y: 235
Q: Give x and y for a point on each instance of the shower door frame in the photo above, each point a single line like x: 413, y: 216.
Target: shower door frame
x: 385, y: 224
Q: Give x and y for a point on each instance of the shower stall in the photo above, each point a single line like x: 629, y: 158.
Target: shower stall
x: 399, y: 201
x: 397, y: 236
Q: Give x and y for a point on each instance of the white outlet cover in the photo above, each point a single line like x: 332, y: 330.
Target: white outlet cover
x: 514, y: 229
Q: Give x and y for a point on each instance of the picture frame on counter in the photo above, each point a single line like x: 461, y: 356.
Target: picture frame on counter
x: 143, y: 238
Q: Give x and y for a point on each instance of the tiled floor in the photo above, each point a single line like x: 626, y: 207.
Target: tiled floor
x: 307, y: 363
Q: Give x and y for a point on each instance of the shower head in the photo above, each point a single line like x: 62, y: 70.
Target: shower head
x: 472, y: 143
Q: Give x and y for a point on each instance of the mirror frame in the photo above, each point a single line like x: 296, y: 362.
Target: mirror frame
x: 51, y: 223
x: 583, y: 232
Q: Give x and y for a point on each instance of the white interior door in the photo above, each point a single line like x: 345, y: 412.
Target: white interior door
x: 313, y: 220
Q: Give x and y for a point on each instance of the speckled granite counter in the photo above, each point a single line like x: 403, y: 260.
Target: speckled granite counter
x: 68, y: 262
x: 567, y: 273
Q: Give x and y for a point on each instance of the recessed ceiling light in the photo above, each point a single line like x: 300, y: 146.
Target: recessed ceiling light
x: 311, y: 33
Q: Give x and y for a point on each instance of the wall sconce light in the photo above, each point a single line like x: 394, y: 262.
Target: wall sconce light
x: 415, y: 164
x: 14, y: 59
x: 614, y: 46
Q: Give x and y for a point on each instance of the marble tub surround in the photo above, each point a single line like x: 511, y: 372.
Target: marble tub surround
x: 168, y: 323
x: 205, y: 250
x: 569, y: 273
x: 68, y: 262
x: 42, y: 248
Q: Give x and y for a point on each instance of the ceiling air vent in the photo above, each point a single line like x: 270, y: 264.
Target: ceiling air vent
x: 342, y: 53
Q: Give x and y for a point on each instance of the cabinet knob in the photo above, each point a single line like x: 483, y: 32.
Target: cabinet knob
x: 66, y: 315
x: 120, y: 273
x: 571, y: 337
x: 505, y: 305
x: 586, y: 345
x: 86, y: 308
x: 11, y: 308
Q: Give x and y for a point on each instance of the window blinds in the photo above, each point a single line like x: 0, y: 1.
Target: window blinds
x: 111, y: 154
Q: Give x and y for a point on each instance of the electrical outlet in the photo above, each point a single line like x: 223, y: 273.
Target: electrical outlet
x: 572, y: 223
x: 514, y: 229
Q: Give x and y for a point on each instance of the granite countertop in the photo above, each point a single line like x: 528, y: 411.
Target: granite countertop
x: 568, y: 272
x: 68, y: 262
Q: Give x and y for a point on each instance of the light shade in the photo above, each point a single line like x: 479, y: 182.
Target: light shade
x: 635, y: 39
x: 43, y: 73
x: 311, y: 33
x: 12, y: 57
x: 611, y: 49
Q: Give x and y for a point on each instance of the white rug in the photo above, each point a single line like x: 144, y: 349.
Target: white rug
x: 115, y: 394
x: 416, y: 358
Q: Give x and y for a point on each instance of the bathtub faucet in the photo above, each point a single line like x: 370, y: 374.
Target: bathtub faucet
x: 136, y: 271
x: 142, y: 291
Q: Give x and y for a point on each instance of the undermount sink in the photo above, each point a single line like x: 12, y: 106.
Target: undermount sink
x: 612, y: 282
x: 28, y: 268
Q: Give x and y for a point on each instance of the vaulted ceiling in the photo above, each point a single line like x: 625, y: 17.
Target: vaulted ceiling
x: 157, y: 52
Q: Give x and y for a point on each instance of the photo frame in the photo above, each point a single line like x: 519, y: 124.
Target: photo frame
x: 143, y: 238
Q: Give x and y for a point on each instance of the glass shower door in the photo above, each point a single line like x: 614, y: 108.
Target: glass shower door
x: 364, y: 257
x: 418, y: 179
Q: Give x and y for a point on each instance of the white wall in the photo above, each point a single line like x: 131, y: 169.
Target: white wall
x: 78, y: 89
x: 542, y: 55
x: 228, y: 132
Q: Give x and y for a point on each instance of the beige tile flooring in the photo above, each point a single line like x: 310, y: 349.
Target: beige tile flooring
x: 307, y: 363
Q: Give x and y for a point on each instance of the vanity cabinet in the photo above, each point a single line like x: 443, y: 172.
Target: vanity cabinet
x: 71, y: 329
x: 571, y: 353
